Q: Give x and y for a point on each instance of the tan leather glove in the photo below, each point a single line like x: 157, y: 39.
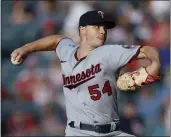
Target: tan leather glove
x: 132, y: 80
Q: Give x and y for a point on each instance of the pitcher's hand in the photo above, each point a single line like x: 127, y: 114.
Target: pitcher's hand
x: 18, y: 55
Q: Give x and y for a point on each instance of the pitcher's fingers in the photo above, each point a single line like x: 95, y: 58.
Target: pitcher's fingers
x: 14, y: 55
x: 18, y: 58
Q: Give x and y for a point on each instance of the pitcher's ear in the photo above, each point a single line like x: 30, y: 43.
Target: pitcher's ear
x: 82, y: 30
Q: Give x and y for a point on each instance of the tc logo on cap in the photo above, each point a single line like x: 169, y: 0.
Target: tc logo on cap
x: 100, y: 13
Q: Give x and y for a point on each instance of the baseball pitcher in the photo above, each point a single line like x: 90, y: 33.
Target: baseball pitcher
x: 90, y: 72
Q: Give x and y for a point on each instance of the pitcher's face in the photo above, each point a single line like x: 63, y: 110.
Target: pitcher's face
x: 95, y: 35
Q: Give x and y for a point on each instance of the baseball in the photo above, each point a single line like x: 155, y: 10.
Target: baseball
x: 15, y: 62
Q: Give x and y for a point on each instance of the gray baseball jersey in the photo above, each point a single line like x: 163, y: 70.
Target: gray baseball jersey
x: 90, y: 83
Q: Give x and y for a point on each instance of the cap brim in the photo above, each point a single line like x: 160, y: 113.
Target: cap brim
x: 109, y: 24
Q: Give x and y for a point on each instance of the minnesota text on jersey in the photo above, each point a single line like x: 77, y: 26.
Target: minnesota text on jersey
x: 74, y: 81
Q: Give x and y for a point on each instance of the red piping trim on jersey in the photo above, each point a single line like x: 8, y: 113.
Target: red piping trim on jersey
x: 76, y: 85
x: 77, y: 57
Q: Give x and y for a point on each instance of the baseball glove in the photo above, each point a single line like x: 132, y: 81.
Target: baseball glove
x: 135, y: 79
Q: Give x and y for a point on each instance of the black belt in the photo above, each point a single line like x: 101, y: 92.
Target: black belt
x: 97, y: 128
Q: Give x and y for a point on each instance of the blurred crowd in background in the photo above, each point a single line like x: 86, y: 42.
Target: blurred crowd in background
x: 32, y: 97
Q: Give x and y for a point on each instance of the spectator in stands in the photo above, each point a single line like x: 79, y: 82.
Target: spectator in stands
x: 159, y: 127
x: 55, y: 80
x: 51, y: 123
x: 55, y: 74
x: 46, y: 9
x: 42, y: 93
x: 131, y: 121
x: 22, y: 13
x: 70, y: 27
x: 27, y: 79
x: 21, y: 124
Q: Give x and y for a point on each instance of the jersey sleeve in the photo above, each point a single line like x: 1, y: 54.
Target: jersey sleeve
x: 64, y: 47
x: 120, y: 55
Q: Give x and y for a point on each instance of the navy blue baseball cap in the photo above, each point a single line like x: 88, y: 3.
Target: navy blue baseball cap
x: 96, y: 18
